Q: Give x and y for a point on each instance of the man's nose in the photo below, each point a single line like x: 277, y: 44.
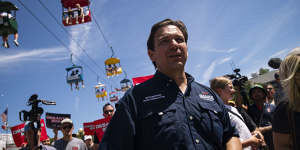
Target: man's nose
x: 174, y: 45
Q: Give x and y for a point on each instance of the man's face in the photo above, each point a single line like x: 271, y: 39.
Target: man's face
x: 258, y: 95
x: 271, y: 91
x: 227, y: 93
x: 170, y: 49
x: 88, y: 142
x: 67, y: 129
x: 108, y: 111
x: 46, y: 142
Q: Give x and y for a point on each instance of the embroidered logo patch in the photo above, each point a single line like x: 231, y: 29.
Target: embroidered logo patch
x: 153, y: 97
x: 206, y: 96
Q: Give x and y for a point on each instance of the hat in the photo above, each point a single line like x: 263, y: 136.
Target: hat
x: 257, y: 86
x: 66, y: 120
x: 86, y: 137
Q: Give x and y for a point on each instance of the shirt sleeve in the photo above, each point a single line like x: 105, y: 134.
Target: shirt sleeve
x: 229, y: 130
x: 120, y: 132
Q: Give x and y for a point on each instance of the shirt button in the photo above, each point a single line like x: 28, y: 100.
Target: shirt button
x: 197, y: 141
x: 191, y: 117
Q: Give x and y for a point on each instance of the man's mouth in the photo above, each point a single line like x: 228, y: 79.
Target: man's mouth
x: 175, y: 56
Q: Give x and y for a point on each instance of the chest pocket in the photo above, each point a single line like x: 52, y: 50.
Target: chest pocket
x: 159, y: 119
x: 211, y: 120
x: 158, y: 127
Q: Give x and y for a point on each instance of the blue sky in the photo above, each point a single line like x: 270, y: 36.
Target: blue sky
x: 247, y: 33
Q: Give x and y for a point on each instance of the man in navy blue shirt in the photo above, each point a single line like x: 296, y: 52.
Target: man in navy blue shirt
x: 170, y: 111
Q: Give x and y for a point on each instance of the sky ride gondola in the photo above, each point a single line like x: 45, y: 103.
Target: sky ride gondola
x: 75, y: 12
x: 8, y: 22
x: 75, y: 75
x: 100, y: 91
x: 113, y: 97
x: 113, y: 67
x: 125, y: 84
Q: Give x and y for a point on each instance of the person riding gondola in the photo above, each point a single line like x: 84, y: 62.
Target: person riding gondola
x: 80, y: 13
x: 4, y: 17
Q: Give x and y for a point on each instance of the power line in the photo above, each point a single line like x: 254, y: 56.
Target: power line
x: 61, y: 26
x: 60, y: 41
x: 102, y: 33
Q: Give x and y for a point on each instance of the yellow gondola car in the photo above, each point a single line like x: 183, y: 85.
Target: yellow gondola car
x: 113, y: 67
x: 100, y: 91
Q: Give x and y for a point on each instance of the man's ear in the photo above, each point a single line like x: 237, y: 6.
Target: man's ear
x: 219, y: 91
x: 151, y: 54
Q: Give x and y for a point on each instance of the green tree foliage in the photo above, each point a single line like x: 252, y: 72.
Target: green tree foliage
x: 263, y: 71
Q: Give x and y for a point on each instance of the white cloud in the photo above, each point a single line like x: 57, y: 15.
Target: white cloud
x: 280, y: 53
x: 208, y: 72
x: 79, y: 37
x: 54, y: 54
x: 232, y: 50
x: 224, y: 60
x: 270, y: 29
x: 206, y: 49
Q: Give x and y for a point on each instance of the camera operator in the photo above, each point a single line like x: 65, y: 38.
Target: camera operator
x: 29, y: 136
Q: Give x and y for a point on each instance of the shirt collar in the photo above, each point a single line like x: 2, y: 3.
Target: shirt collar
x: 165, y: 79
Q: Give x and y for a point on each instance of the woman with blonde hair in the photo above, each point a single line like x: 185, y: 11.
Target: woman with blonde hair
x: 287, y: 114
x: 224, y: 88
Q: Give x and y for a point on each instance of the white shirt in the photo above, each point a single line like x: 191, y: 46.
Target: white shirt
x: 239, y: 125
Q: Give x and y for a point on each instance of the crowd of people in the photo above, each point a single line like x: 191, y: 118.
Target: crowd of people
x: 171, y: 111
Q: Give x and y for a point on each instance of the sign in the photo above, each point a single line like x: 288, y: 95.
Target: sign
x: 53, y: 120
x: 18, y: 133
x: 97, y: 126
x: 139, y: 80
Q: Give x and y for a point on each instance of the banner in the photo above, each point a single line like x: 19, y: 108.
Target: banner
x: 97, y: 126
x: 53, y: 120
x: 18, y: 133
x: 89, y: 128
x: 139, y: 80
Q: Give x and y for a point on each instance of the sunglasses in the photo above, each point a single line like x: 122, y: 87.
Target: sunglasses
x: 108, y: 111
x: 269, y: 89
x: 67, y: 126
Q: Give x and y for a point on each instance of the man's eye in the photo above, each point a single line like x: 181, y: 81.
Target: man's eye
x: 179, y: 40
x: 164, y: 41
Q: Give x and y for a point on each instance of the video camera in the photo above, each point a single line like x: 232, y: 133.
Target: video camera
x: 237, y: 79
x: 34, y: 115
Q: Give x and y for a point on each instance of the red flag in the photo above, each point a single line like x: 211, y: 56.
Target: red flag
x: 18, y: 133
x: 138, y: 80
x: 89, y: 128
x: 101, y: 127
x: 97, y: 126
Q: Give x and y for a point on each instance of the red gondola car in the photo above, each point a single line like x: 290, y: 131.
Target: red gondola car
x: 74, y: 11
